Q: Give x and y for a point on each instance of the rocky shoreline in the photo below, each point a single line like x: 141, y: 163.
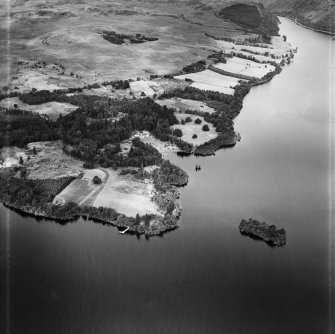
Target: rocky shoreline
x: 221, y: 141
x: 261, y: 230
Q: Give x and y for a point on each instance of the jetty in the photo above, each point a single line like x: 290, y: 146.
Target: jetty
x: 124, y: 231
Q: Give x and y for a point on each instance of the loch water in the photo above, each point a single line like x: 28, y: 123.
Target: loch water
x: 84, y: 277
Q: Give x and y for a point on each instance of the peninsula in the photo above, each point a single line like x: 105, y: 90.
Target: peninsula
x: 92, y: 141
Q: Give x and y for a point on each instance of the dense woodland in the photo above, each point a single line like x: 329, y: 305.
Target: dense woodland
x: 91, y: 128
x: 26, y: 192
x: 93, y: 132
x: 195, y: 67
x: 18, y: 128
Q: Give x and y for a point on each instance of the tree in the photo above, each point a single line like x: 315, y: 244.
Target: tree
x: 88, y: 165
x: 198, y: 121
x: 170, y: 208
x: 205, y: 128
x: 177, y: 133
x: 137, y: 219
x: 147, y: 219
x: 34, y: 150
x: 97, y: 180
x: 284, y: 38
x: 188, y: 119
x: 194, y: 136
x: 21, y: 161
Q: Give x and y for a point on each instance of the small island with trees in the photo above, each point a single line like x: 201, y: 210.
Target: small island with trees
x: 261, y: 230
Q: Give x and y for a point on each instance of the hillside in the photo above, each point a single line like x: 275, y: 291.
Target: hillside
x: 318, y: 14
x: 251, y: 16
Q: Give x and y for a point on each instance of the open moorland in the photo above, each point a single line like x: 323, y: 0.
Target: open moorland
x: 70, y: 35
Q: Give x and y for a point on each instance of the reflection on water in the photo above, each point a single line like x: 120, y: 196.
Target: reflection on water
x: 204, y: 277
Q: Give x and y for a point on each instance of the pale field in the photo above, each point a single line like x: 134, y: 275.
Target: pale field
x: 215, y: 88
x: 183, y: 104
x: 209, y: 80
x: 10, y: 156
x: 191, y: 128
x: 260, y: 58
x: 69, y: 34
x: 124, y: 194
x: 278, y: 48
x: 51, y: 109
x: 149, y: 88
x: 163, y: 148
x: 82, y: 191
x: 127, y: 195
x: 167, y: 85
x: 106, y: 91
x: 245, y: 67
x: 33, y: 74
x: 50, y: 161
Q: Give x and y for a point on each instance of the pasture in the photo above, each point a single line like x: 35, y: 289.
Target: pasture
x: 191, y: 128
x: 245, y: 67
x: 51, y: 109
x: 209, y: 80
x: 183, y: 104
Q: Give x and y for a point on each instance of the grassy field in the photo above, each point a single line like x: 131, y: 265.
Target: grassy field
x: 10, y: 156
x: 191, y: 128
x: 49, y: 161
x: 83, y: 191
x: 208, y: 80
x: 163, y: 148
x: 149, y: 88
x: 245, y: 67
x: 51, y: 109
x: 183, y: 104
x: 127, y: 195
x: 123, y: 193
x: 278, y: 48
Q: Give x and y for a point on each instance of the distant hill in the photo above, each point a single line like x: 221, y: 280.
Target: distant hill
x: 251, y: 16
x: 318, y: 14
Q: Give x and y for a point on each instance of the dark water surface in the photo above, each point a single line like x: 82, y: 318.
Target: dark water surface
x: 204, y: 277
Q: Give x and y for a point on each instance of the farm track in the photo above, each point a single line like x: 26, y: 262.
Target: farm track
x: 90, y: 198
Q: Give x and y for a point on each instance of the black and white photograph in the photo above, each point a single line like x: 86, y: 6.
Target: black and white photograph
x: 167, y: 166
